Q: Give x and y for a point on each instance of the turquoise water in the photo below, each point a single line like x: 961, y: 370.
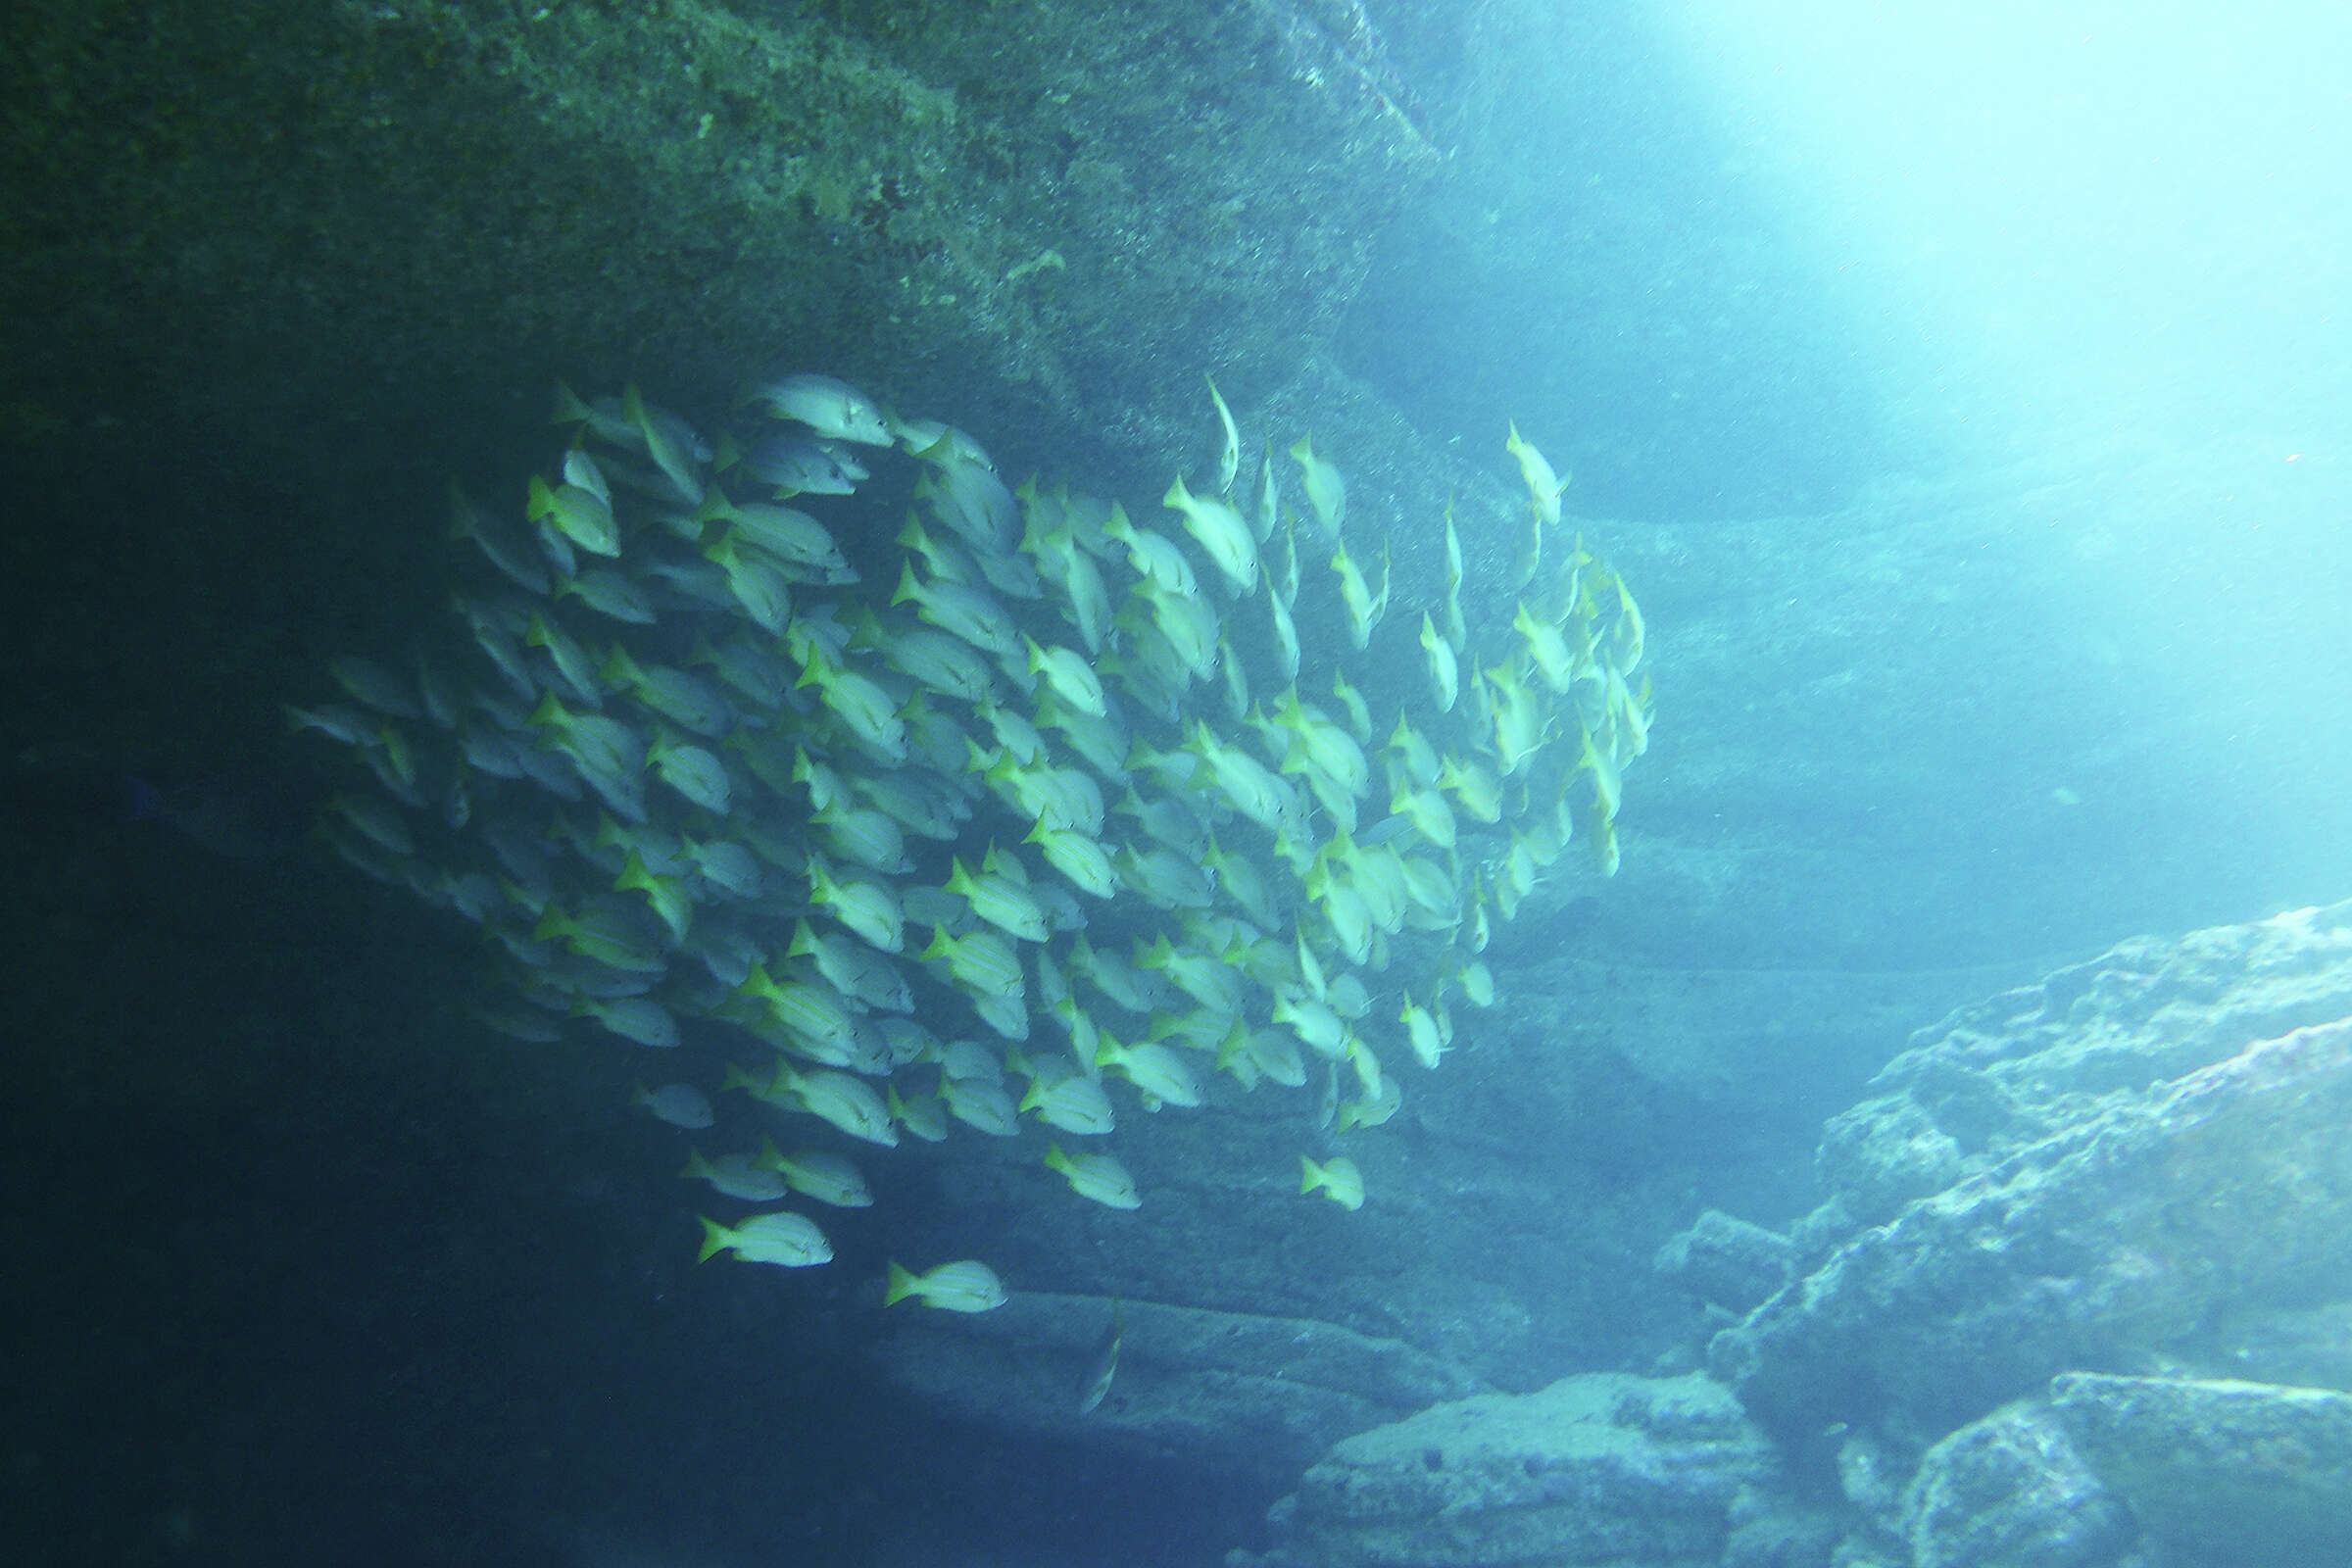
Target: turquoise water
x: 1978, y: 488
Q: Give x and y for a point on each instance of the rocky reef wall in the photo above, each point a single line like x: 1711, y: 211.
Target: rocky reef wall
x: 280, y: 221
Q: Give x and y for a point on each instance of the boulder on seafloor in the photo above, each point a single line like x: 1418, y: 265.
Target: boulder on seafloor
x: 2219, y: 1471
x: 2011, y: 1492
x: 1727, y: 1263
x: 2083, y: 1174
x: 1597, y: 1468
x: 2117, y: 1472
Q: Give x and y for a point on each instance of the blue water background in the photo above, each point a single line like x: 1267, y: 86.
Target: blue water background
x: 2076, y: 280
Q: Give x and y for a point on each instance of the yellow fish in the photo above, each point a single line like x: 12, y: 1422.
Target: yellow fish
x: 1326, y: 491
x: 1269, y: 499
x: 1338, y: 1180
x: 1069, y: 674
x: 1356, y: 594
x: 579, y: 513
x: 1077, y: 857
x: 1096, y: 1176
x: 968, y: 1286
x: 1547, y: 647
x: 871, y: 909
x: 1000, y: 901
x: 1543, y: 486
x: 1445, y: 668
x: 1421, y: 1032
x: 1153, y: 554
x: 1221, y: 532
x: 1229, y: 455
x: 1474, y: 789
x: 780, y: 1237
x: 1286, y: 634
x: 1625, y: 636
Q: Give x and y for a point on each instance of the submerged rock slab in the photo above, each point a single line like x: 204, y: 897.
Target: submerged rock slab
x: 1226, y: 1390
x: 2109, y: 1160
x: 1597, y: 1468
x: 2220, y: 1471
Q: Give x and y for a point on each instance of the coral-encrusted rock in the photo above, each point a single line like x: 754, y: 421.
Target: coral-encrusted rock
x: 2219, y: 1471
x: 2010, y: 1492
x: 1598, y: 1468
x: 2108, y: 1160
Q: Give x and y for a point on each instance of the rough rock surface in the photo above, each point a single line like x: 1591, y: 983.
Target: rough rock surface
x: 2079, y: 1175
x: 2220, y: 1472
x: 2007, y: 1074
x: 1597, y: 1468
x: 1727, y: 1263
x: 1040, y: 207
x: 1227, y: 1389
x: 2011, y: 1492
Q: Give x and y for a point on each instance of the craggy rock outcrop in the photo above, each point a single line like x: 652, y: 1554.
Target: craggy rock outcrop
x: 2009, y: 1072
x: 2221, y: 1472
x: 2011, y: 1490
x: 2111, y: 1472
x: 2080, y: 1174
x: 2137, y: 1163
x: 1600, y: 1468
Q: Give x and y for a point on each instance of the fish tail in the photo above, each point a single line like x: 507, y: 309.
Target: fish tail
x: 902, y: 1286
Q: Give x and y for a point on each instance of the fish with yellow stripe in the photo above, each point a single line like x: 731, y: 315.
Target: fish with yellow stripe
x: 739, y: 715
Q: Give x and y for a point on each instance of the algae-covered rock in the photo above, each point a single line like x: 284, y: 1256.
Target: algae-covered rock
x: 414, y: 215
x: 2220, y: 1471
x: 1597, y: 1468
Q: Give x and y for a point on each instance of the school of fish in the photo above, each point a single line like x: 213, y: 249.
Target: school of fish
x: 1042, y: 812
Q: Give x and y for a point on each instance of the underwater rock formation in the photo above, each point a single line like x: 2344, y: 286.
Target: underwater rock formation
x: 1238, y: 1393
x: 1602, y: 1468
x: 2002, y: 1074
x: 2136, y: 1165
x: 2220, y: 1471
x: 2102, y: 1471
x: 1727, y: 1263
x: 1053, y: 211
x: 2108, y: 1160
x: 2011, y: 1488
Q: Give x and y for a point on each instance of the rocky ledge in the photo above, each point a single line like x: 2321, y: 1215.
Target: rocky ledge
x: 1598, y: 1468
x: 2076, y: 1298
x: 2091, y: 1173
